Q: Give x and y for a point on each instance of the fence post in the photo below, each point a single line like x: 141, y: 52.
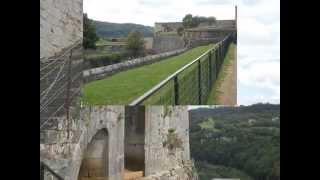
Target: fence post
x: 218, y: 58
x: 221, y: 55
x: 199, y: 80
x: 67, y: 101
x: 176, y: 90
x: 216, y: 62
x: 210, y: 68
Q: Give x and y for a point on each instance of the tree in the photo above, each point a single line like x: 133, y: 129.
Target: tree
x: 190, y: 21
x: 180, y: 31
x: 89, y: 33
x: 187, y: 21
x: 135, y: 44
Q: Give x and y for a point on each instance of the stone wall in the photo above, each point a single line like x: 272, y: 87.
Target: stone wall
x: 64, y: 155
x: 164, y: 130
x: 134, y: 137
x: 102, y: 72
x: 148, y: 43
x: 60, y: 25
x: 166, y: 138
x: 166, y: 27
x: 167, y: 43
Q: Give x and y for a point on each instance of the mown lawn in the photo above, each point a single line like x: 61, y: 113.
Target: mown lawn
x: 124, y: 87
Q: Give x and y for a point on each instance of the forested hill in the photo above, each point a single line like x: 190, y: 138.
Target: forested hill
x: 108, y: 29
x: 246, y: 111
x: 236, y: 142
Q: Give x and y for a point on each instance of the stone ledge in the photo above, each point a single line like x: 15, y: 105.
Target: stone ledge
x: 102, y: 72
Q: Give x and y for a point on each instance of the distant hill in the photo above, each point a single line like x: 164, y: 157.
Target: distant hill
x: 107, y: 29
x: 245, y: 111
x: 236, y: 142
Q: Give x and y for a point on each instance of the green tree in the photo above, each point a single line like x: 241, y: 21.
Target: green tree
x: 89, y: 33
x: 190, y: 21
x: 180, y: 31
x: 135, y: 44
x: 187, y: 21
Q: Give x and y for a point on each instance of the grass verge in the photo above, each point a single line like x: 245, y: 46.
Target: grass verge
x: 124, y: 87
x: 215, y: 93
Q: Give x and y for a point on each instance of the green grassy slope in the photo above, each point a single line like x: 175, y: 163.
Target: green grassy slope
x: 124, y: 87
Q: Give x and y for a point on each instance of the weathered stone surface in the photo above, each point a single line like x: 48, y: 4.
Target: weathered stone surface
x: 60, y: 25
x: 55, y: 147
x: 167, y: 43
x: 160, y: 120
x: 153, y: 125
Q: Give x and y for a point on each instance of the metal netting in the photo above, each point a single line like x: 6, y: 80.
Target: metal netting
x: 60, y: 81
x: 165, y: 96
x: 189, y: 86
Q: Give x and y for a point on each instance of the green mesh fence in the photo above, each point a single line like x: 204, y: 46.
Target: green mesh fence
x: 190, y: 85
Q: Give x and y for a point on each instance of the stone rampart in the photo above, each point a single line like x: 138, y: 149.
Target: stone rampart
x: 102, y: 72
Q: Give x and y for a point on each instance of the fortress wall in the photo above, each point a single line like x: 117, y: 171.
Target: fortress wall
x: 60, y: 25
x: 167, y: 43
x: 150, y: 125
x: 134, y: 137
x: 65, y: 156
x: 104, y: 71
x: 148, y: 42
x: 160, y: 120
x: 161, y: 27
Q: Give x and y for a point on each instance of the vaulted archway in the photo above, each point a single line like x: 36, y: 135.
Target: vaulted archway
x: 95, y: 159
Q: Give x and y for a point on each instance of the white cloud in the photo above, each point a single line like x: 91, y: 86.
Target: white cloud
x: 149, y: 11
x: 213, y: 2
x: 258, y: 51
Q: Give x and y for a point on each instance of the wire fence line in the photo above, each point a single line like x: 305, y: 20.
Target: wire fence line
x: 191, y: 84
x: 60, y: 82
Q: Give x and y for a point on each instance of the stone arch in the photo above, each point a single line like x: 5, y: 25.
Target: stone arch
x: 95, y: 159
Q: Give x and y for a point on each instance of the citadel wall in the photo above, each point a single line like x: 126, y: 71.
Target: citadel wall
x: 60, y: 25
x: 167, y: 43
x: 99, y: 145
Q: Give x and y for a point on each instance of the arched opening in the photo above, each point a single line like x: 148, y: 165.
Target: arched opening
x: 134, y: 142
x: 95, y: 161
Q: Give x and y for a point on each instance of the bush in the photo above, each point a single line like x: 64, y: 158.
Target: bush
x: 104, y: 60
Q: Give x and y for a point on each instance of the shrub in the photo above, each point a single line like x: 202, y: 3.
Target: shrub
x: 104, y: 60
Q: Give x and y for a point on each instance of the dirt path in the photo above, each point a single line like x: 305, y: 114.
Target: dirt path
x: 132, y: 175
x: 225, y: 91
x: 228, y: 88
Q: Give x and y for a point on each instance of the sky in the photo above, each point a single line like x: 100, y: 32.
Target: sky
x: 258, y: 48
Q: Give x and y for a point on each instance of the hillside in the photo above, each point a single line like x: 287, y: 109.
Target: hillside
x: 236, y: 142
x: 107, y: 29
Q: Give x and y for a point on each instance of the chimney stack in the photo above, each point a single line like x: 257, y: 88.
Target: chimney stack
x: 236, y: 15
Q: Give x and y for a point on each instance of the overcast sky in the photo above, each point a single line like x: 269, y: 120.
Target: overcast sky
x: 258, y: 49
